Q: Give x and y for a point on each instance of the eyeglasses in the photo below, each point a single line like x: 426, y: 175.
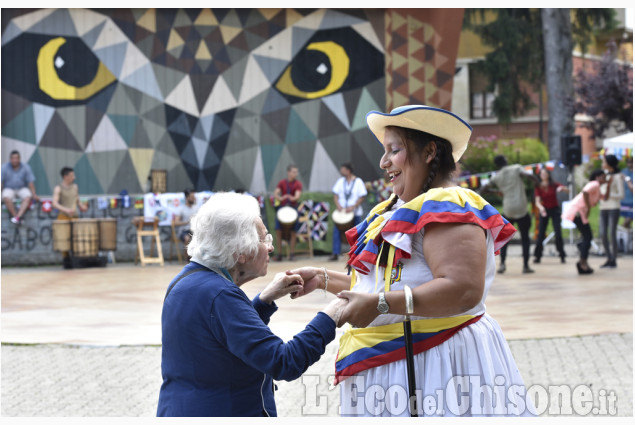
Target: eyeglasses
x: 268, y: 240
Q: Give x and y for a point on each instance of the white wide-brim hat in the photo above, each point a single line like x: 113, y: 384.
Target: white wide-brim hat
x: 435, y: 121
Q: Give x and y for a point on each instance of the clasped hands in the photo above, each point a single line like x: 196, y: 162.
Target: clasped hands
x: 358, y: 309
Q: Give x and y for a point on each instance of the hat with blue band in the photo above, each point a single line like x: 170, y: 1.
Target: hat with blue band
x: 435, y: 121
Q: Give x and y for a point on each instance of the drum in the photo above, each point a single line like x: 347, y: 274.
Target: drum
x: 287, y: 216
x: 343, y: 220
x: 107, y: 234
x: 61, y: 235
x: 85, y: 237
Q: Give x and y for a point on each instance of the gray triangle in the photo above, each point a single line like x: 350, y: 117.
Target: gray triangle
x: 10, y: 32
x: 235, y: 54
x: 106, y: 165
x: 120, y: 103
x: 232, y: 19
x: 255, y: 104
x: 253, y: 40
x: 272, y: 68
x: 140, y: 138
x: 199, y: 132
x: 275, y: 101
x: 234, y: 77
x: 280, y: 171
x: 181, y: 19
x: 268, y: 136
x: 59, y: 23
x: 155, y: 115
x: 54, y: 159
x: 165, y: 154
x: 125, y: 178
x: 335, y: 19
x: 335, y: 103
x: 241, y: 137
x: 113, y: 56
x: 189, y: 155
x: 138, y: 13
x: 167, y: 78
x: 154, y: 132
x: 300, y: 37
x: 178, y: 179
x: 74, y: 118
x: 242, y: 166
x: 338, y: 147
x: 90, y: 38
x: 254, y: 18
x: 310, y: 113
x: 302, y: 154
x: 135, y: 97
x: 226, y: 179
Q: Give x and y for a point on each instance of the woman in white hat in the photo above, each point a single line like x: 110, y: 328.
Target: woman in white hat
x: 428, y: 252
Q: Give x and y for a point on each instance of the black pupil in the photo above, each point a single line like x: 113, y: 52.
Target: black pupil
x: 76, y: 65
x: 305, y: 73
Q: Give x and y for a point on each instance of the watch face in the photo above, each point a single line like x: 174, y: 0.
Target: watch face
x: 382, y: 306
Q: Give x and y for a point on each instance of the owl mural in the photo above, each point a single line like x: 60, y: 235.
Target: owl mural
x: 220, y: 98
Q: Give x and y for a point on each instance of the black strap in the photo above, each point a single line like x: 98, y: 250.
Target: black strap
x: 177, y: 281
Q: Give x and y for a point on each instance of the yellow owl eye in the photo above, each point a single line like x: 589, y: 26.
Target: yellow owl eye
x: 311, y: 71
x: 67, y: 73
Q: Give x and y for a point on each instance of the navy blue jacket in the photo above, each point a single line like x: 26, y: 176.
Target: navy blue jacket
x: 219, y: 357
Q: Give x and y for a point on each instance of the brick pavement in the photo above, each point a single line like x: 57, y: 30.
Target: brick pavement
x: 64, y: 380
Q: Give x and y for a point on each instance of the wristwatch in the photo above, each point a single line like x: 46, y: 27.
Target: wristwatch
x: 382, y: 305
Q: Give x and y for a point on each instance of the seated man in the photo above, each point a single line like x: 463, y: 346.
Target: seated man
x: 17, y: 183
x: 184, y: 214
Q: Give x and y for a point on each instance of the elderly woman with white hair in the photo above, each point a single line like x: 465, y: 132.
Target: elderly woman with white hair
x: 219, y: 357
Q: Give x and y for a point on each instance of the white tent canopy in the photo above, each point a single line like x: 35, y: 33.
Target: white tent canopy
x: 617, y: 145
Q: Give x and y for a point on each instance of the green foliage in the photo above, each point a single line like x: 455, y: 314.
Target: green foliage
x: 517, y: 57
x: 587, y: 23
x: 516, y: 62
x: 479, y: 156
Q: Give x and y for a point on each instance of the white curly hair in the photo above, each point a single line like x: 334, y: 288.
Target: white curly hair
x: 223, y: 228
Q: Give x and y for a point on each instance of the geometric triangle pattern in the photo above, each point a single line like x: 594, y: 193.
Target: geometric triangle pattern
x: 220, y: 98
x: 421, y: 49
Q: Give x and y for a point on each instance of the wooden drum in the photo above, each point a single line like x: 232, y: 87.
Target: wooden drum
x: 85, y: 237
x: 343, y: 220
x: 61, y: 235
x: 107, y: 234
x: 287, y: 216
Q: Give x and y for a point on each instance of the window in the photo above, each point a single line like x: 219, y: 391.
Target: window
x: 481, y: 100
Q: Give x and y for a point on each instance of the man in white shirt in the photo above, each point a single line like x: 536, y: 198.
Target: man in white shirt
x: 349, y: 192
x: 185, y: 213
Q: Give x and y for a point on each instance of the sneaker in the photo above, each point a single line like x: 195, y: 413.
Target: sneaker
x: 15, y: 220
x: 292, y: 257
x: 502, y: 269
x: 526, y: 269
x: 277, y: 258
x: 333, y: 257
x: 536, y: 260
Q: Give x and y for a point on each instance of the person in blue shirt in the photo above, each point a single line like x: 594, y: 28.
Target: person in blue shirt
x: 17, y: 183
x: 219, y: 357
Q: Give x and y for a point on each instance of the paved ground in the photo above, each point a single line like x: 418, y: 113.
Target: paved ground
x: 62, y: 380
x: 102, y: 353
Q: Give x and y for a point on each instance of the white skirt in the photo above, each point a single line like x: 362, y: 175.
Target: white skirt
x: 471, y: 374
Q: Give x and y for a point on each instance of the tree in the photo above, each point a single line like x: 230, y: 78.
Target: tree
x: 605, y: 92
x: 518, y: 63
